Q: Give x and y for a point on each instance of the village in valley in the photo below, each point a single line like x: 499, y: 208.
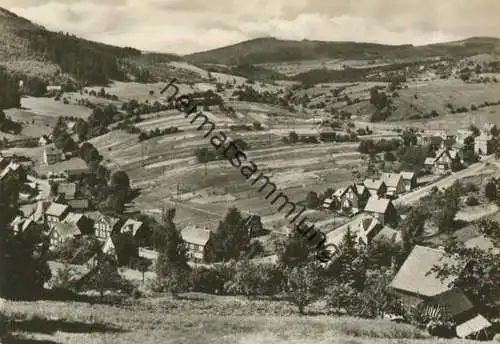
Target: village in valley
x: 120, y: 222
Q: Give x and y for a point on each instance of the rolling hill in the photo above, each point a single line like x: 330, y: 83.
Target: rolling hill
x: 272, y: 50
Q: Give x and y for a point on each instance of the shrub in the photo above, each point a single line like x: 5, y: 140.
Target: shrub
x: 471, y: 201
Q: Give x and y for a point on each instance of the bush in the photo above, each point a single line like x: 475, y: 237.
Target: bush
x: 210, y: 280
x: 471, y: 201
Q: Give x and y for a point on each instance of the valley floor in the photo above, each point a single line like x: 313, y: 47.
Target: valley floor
x: 202, y: 319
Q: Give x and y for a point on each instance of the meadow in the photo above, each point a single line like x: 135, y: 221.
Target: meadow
x: 197, y: 318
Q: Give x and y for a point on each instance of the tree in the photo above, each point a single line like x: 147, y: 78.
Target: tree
x: 232, y: 237
x: 250, y: 279
x: 409, y: 137
x: 293, y: 250
x: 293, y: 137
x: 412, y: 227
x: 474, y: 271
x: 475, y: 130
x: 491, y: 190
x: 312, y: 200
x: 302, y: 285
x: 489, y: 228
x: 172, y: 268
x: 104, y: 276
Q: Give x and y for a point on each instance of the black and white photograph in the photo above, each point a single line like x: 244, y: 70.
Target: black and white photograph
x: 249, y: 172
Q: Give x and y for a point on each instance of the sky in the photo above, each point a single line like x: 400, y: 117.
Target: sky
x: 186, y: 26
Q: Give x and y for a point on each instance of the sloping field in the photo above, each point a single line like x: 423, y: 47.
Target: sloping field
x: 209, y: 320
x: 48, y: 107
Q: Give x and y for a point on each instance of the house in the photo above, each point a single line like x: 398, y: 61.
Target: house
x: 462, y: 135
x: 22, y: 225
x: 388, y: 235
x: 254, y: 225
x: 383, y: 210
x: 15, y: 171
x: 395, y: 184
x: 409, y: 180
x: 56, y: 213
x: 199, y: 245
x: 122, y: 247
x: 105, y: 225
x: 352, y: 198
x: 78, y: 204
x: 52, y: 155
x: 365, y: 228
x: 483, y: 144
x: 376, y: 187
x: 330, y: 204
x: 44, y: 140
x: 138, y: 230
x: 68, y: 190
x: 62, y: 232
x: 83, y: 223
x: 446, y: 159
x: 415, y: 286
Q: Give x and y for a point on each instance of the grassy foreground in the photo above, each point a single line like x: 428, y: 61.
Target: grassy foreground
x: 213, y: 320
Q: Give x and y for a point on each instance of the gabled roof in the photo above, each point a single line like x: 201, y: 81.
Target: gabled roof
x: 110, y: 220
x: 340, y: 192
x: 56, y: 209
x: 67, y: 230
x: 483, y: 243
x: 391, y: 179
x: 373, y: 184
x: 195, y: 235
x: 21, y: 224
x: 73, y: 218
x: 360, y: 189
x: 361, y: 227
x: 133, y: 224
x: 82, y: 203
x: 388, y: 234
x: 429, y: 161
x: 471, y: 326
x: 377, y: 205
x: 406, y: 175
x: 413, y: 275
x: 454, y: 302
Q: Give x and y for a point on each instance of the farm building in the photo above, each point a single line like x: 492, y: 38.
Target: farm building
x: 52, y: 156
x: 383, y: 210
x: 419, y: 289
x: 83, y: 223
x: 199, y: 244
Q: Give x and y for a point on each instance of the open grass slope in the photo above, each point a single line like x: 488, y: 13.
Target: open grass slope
x: 216, y: 320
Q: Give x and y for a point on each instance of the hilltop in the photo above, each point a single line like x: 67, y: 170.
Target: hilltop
x: 273, y: 50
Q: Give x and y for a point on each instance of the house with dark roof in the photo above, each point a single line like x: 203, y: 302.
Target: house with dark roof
x: 122, y: 247
x: 105, y: 225
x: 56, y: 213
x: 199, y: 244
x: 409, y: 180
x: 383, y: 210
x: 376, y: 187
x: 395, y: 184
x: 415, y: 285
x: 445, y: 160
x: 138, y: 230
